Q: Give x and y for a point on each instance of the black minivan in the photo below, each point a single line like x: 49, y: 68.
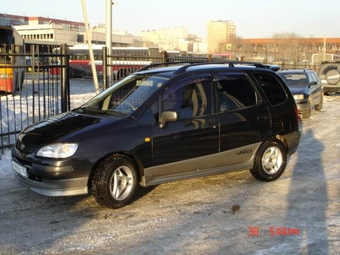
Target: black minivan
x: 163, y: 124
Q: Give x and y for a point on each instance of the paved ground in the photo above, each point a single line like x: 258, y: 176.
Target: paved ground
x: 297, y: 214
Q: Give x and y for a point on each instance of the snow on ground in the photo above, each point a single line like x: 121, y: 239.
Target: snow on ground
x: 192, y: 216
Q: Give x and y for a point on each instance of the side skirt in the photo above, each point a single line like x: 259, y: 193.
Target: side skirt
x: 145, y: 182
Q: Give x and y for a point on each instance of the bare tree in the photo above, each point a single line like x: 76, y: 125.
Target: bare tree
x: 288, y: 46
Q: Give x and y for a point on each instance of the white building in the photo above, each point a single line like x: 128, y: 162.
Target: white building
x: 47, y: 31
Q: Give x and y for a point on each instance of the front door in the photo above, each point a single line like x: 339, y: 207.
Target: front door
x: 191, y: 143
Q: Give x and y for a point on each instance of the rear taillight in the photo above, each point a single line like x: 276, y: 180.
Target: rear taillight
x: 297, y: 116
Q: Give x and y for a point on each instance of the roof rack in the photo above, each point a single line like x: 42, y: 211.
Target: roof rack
x: 231, y: 63
x: 147, y: 67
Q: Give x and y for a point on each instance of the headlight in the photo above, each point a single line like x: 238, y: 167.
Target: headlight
x: 298, y: 97
x: 58, y: 150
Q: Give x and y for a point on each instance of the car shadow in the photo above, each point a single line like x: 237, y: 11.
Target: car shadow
x: 307, y: 200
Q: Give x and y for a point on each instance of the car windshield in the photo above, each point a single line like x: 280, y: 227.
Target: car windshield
x: 125, y: 96
x: 295, y: 79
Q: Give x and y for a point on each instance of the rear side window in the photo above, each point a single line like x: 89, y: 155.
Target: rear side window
x: 271, y: 87
x: 234, y: 92
x: 315, y: 78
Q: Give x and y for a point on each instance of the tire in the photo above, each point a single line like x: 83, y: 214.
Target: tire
x: 270, y: 161
x: 319, y: 106
x: 114, y: 181
x: 333, y: 77
x: 306, y: 114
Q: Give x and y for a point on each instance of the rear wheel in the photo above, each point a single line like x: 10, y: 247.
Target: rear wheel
x: 270, y: 161
x: 114, y: 181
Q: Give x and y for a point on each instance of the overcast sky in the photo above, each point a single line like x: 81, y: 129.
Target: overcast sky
x: 253, y: 18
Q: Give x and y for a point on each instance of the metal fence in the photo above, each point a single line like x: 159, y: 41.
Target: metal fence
x: 44, y: 92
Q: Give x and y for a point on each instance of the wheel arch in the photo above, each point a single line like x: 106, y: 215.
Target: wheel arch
x: 138, y: 164
x: 259, y: 170
x: 277, y: 137
x: 283, y: 140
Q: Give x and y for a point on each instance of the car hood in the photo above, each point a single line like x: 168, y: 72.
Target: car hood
x: 298, y: 90
x: 61, y: 128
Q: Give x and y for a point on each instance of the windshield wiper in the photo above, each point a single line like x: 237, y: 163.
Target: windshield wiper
x: 98, y: 111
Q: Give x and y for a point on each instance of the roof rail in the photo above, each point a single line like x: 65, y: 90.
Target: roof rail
x: 231, y: 63
x: 147, y: 67
x: 275, y: 68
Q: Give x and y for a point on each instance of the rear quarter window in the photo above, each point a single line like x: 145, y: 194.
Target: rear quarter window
x: 234, y: 91
x: 271, y: 87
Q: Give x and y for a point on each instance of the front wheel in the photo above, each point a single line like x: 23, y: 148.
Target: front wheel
x: 307, y: 113
x: 114, y: 181
x: 319, y: 106
x: 270, y: 161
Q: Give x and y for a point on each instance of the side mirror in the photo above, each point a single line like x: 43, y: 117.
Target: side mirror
x: 167, y: 116
x: 313, y: 83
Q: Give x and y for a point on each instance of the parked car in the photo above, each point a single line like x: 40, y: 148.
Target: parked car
x: 163, y: 124
x: 329, y: 73
x: 306, y: 88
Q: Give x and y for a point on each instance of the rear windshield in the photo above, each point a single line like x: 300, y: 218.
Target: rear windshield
x: 294, y: 79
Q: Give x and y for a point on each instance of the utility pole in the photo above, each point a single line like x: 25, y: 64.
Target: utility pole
x: 89, y: 42
x: 324, y: 48
x: 109, y: 4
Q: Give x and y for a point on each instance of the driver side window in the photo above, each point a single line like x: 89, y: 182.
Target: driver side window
x: 190, y: 100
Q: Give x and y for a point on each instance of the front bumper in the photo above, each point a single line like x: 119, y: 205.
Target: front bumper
x: 55, y: 188
x: 302, y: 105
x: 50, y: 178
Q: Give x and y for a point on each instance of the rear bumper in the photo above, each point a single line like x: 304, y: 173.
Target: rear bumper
x: 293, y: 141
x: 331, y: 88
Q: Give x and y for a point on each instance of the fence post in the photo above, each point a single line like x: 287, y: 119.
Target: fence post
x: 105, y: 79
x: 65, y: 79
x: 165, y: 57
